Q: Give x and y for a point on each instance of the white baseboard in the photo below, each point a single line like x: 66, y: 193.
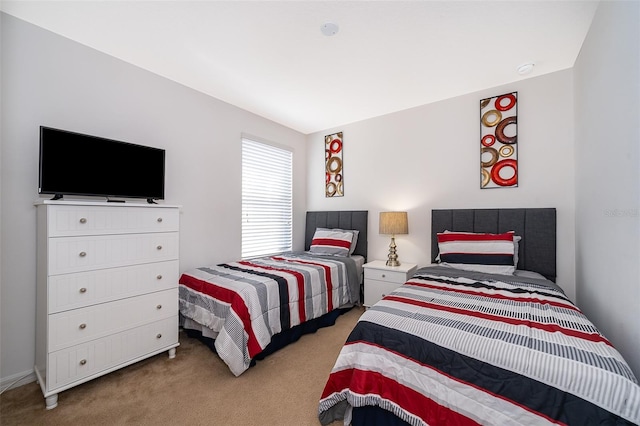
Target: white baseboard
x: 17, y: 380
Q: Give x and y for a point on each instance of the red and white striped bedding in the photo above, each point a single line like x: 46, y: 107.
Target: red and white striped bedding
x: 243, y: 304
x: 459, y: 348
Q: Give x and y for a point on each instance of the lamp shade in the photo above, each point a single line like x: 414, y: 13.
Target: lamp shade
x: 394, y: 223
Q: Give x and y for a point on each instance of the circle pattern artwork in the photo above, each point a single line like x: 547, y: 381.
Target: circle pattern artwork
x: 491, y: 118
x: 499, y: 141
x: 500, y: 130
x: 488, y: 140
x: 334, y: 173
x: 499, y: 178
x: 506, y: 151
x: 510, y: 98
x: 494, y: 157
x: 334, y: 165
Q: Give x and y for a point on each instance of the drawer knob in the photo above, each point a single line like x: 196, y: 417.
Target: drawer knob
x: 159, y: 307
x: 159, y: 247
x: 83, y: 220
x: 83, y: 362
x: 83, y: 290
x: 158, y: 336
x: 83, y: 326
x: 159, y: 277
x: 83, y: 254
x: 384, y: 276
x: 159, y: 219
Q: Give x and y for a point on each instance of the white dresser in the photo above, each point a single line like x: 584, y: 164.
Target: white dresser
x: 107, y: 289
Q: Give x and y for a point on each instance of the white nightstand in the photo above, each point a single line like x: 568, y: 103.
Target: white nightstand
x: 380, y: 279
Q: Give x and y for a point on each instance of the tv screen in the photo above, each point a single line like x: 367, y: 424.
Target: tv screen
x: 77, y: 164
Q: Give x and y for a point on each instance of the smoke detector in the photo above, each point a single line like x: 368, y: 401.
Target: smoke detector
x: 525, y: 69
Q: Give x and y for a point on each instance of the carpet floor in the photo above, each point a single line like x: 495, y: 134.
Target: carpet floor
x: 195, y: 388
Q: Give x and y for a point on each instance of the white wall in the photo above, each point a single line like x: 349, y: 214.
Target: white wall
x: 607, y: 104
x: 50, y: 80
x: 428, y: 157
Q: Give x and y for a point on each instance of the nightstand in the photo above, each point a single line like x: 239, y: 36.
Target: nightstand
x: 380, y: 279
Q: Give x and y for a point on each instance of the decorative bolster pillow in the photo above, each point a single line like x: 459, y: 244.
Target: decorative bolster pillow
x: 331, y: 242
x: 491, y: 253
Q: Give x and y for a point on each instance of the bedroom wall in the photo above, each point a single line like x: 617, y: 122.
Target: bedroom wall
x: 428, y: 157
x: 50, y: 80
x: 607, y: 123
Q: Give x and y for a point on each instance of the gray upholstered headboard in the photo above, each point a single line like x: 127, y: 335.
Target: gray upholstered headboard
x: 349, y: 219
x: 536, y: 226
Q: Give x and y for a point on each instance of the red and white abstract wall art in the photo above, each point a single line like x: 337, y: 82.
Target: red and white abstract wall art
x: 334, y: 178
x: 499, y: 141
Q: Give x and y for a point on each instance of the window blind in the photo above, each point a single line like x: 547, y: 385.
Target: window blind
x: 267, y: 200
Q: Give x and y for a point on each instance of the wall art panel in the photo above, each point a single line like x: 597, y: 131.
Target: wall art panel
x: 499, y: 141
x: 334, y: 176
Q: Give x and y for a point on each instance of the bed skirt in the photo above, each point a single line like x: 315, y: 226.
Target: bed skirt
x: 375, y: 416
x: 278, y: 341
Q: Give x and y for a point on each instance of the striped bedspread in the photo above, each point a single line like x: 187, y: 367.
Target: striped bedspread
x: 456, y: 348
x: 243, y: 304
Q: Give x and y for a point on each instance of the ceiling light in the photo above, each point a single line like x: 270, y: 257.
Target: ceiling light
x: 329, y: 29
x: 525, y: 68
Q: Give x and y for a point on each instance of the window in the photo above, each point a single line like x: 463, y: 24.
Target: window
x: 267, y: 199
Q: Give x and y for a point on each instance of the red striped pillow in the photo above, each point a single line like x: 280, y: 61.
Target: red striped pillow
x: 331, y: 242
x: 492, y: 253
x: 354, y: 236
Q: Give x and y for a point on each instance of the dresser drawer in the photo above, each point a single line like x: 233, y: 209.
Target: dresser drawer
x: 81, y: 289
x: 76, y: 254
x: 398, y: 277
x: 99, y: 220
x: 71, y: 328
x: 97, y: 357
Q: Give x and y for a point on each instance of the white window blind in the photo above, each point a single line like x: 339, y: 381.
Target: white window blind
x: 266, y: 199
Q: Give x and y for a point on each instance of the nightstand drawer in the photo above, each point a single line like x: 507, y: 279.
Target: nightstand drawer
x: 380, y: 279
x: 398, y: 277
x: 376, y: 290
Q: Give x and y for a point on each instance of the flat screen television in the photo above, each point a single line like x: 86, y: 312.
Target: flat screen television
x: 77, y: 164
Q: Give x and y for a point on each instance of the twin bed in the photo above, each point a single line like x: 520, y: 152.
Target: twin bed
x: 248, y: 309
x: 455, y: 345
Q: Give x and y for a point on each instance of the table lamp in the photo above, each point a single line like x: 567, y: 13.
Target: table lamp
x: 393, y: 223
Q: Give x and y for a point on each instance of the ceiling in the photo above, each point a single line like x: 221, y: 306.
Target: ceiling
x: 271, y: 58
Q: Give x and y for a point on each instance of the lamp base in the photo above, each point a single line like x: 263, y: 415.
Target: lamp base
x: 391, y: 262
x: 392, y: 259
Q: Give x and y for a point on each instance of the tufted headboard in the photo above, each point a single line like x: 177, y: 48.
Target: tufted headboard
x: 536, y: 226
x: 348, y: 219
